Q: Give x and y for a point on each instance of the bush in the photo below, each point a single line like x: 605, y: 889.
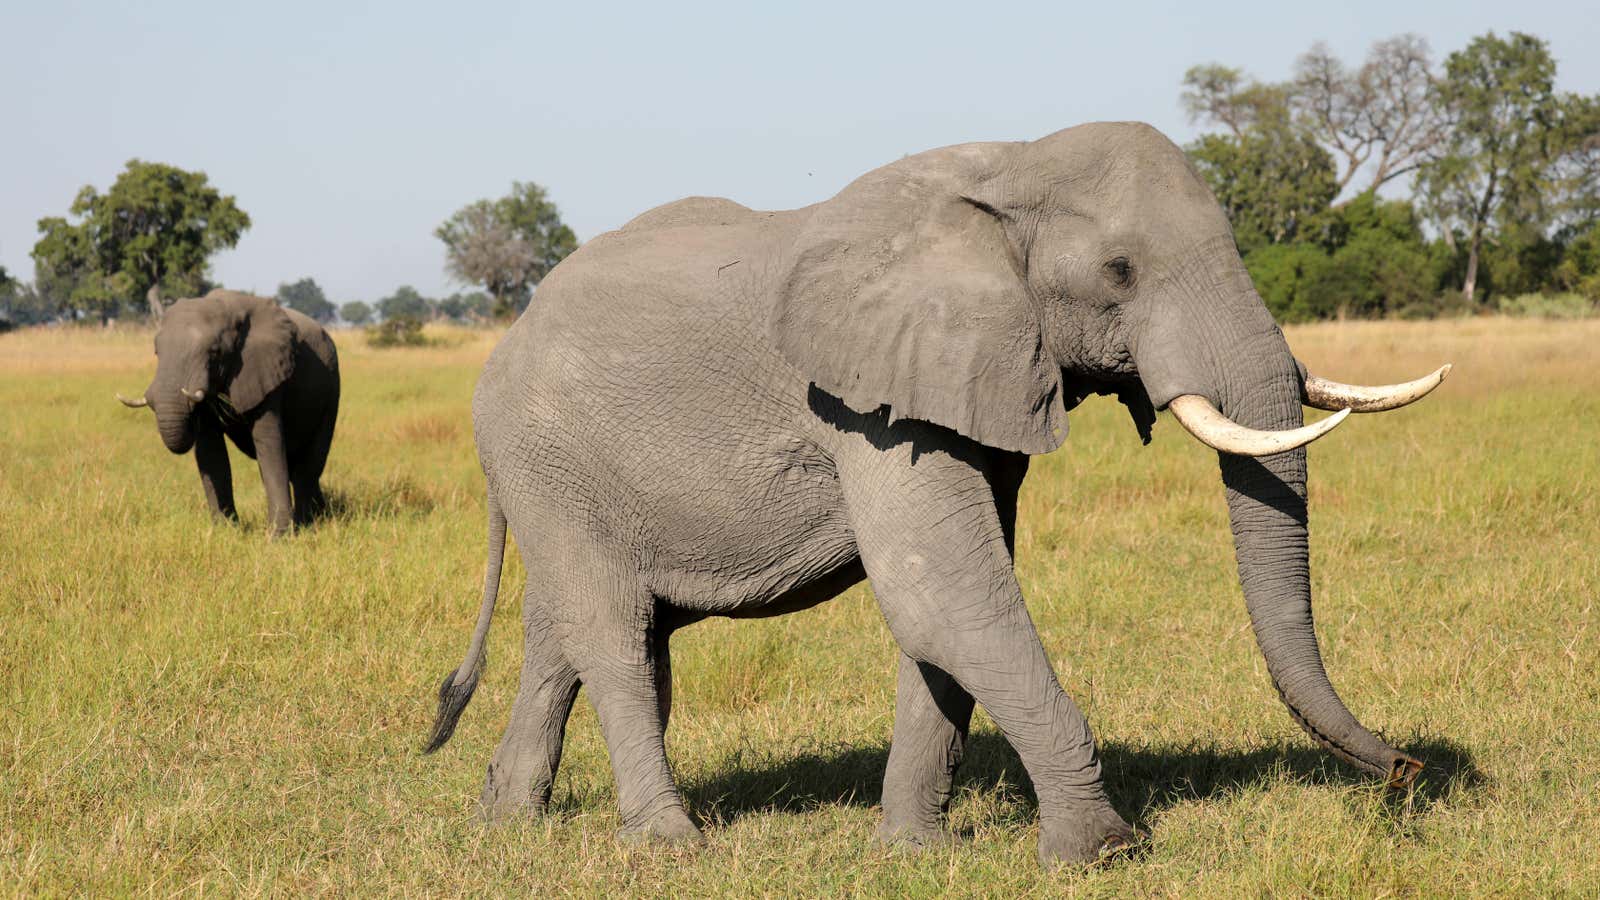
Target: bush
x: 400, y: 331
x: 1548, y: 306
x: 1443, y: 305
x: 1284, y: 275
x: 1366, y: 258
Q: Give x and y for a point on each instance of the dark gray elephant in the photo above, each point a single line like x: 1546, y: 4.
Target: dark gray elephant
x: 266, y: 377
x: 716, y: 411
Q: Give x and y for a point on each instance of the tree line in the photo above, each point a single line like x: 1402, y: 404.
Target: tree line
x: 1499, y: 174
x: 1396, y: 187
x: 148, y: 240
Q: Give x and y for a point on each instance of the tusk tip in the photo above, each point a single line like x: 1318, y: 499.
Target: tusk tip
x: 1320, y: 393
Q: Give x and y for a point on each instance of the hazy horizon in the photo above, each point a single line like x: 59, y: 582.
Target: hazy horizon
x: 349, y: 136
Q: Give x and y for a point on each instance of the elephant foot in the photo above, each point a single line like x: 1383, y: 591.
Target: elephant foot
x: 1097, y: 836
x: 509, y: 795
x: 912, y: 837
x: 500, y: 810
x: 670, y: 827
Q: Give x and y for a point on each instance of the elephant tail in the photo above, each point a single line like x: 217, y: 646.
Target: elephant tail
x: 458, y: 685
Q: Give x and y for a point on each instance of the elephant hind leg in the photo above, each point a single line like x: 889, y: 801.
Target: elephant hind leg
x: 306, y: 476
x: 931, y: 716
x: 620, y: 659
x: 523, y: 771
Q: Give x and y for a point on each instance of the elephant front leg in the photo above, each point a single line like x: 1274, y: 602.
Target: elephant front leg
x: 936, y: 555
x: 216, y: 474
x: 931, y: 715
x: 267, y: 434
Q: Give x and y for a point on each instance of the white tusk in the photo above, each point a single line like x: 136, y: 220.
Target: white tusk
x: 135, y: 404
x: 196, y: 395
x: 1324, y: 394
x: 1219, y: 432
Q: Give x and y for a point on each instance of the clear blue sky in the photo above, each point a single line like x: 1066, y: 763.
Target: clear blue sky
x: 349, y: 131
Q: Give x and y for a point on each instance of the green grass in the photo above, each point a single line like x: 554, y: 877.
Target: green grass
x: 189, y: 708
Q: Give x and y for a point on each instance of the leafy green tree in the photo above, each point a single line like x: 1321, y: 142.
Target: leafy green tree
x: 1577, y: 171
x: 306, y: 296
x: 405, y: 301
x: 1271, y: 179
x: 1285, y: 276
x: 153, y: 232
x: 356, y: 313
x: 27, y: 305
x: 1579, y: 270
x: 1221, y: 95
x: 8, y: 296
x: 1508, y: 131
x: 506, y: 245
x: 461, y: 307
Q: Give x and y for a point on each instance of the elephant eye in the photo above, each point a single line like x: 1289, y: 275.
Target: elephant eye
x: 1120, y: 271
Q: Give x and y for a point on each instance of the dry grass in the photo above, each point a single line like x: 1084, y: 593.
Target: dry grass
x: 195, y: 709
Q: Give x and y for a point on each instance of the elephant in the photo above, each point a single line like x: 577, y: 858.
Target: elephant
x: 266, y: 377
x: 719, y: 411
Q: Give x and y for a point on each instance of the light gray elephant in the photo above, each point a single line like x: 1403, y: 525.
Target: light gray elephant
x: 267, y: 378
x: 716, y: 411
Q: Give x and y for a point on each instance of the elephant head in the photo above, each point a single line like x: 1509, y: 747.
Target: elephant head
x: 991, y: 287
x: 226, y: 349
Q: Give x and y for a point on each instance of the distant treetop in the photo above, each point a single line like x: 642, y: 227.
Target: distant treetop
x: 152, y: 234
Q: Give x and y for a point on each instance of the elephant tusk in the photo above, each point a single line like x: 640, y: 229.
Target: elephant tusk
x: 196, y: 395
x: 133, y: 404
x: 1219, y: 432
x: 1321, y: 393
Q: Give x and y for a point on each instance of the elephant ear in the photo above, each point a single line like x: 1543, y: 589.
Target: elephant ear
x: 266, y: 351
x: 905, y: 292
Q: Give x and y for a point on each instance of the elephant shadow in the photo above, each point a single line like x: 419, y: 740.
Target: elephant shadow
x: 1142, y: 780
x: 392, y: 497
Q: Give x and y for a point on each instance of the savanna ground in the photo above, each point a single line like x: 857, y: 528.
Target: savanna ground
x: 190, y: 708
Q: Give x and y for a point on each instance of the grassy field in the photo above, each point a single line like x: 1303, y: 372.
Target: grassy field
x: 189, y: 708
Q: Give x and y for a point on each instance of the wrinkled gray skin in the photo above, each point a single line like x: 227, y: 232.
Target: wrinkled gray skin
x: 271, y: 382
x: 722, y: 412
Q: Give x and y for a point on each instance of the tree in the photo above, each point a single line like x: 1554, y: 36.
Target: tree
x: 1507, y: 132
x: 405, y: 301
x: 30, y: 306
x: 1220, y: 95
x: 306, y: 296
x: 1577, y: 171
x: 154, y: 231
x: 1387, y: 112
x: 356, y: 313
x: 1270, y: 178
x: 506, y: 245
x: 8, y: 296
x: 462, y: 307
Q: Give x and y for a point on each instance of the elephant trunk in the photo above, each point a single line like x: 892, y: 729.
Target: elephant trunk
x: 1233, y: 356
x: 174, y: 419
x: 1267, y: 510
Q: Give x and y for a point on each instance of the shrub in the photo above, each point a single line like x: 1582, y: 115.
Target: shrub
x: 1283, y: 275
x: 1548, y: 306
x: 1443, y: 305
x: 400, y: 331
